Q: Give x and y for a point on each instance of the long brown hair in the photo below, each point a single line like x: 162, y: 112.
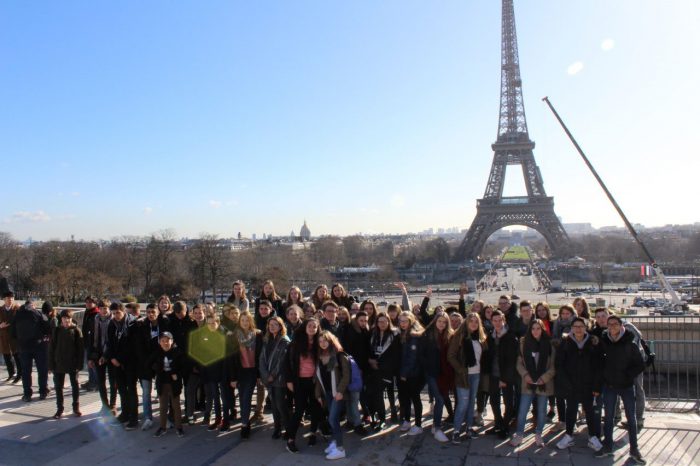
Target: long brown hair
x: 431, y: 331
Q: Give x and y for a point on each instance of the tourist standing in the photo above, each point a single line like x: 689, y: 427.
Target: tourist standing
x: 31, y: 329
x: 8, y: 343
x: 66, y: 358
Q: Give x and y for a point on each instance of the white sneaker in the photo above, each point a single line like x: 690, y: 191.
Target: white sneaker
x: 594, y: 444
x: 516, y: 440
x: 565, y: 442
x: 405, y: 426
x: 415, y: 430
x: 336, y: 454
x: 440, y: 436
x: 538, y: 441
x: 330, y: 447
x: 147, y: 424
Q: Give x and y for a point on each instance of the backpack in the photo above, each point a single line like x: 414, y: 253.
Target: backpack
x: 355, y: 384
x: 650, y: 355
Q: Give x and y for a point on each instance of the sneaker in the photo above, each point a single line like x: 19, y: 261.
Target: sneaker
x: 10, y: 377
x: 516, y: 440
x: 405, y: 426
x: 43, y: 395
x: 538, y: 441
x: 381, y: 425
x: 479, y: 420
x: 455, y: 439
x: 58, y: 414
x: 415, y: 430
x: 192, y: 421
x: 312, y: 440
x: 16, y: 379
x: 636, y: 456
x: 205, y: 422
x: 160, y: 432
x: 560, y: 426
x: 440, y: 436
x: 131, y: 425
x: 472, y: 434
x: 258, y: 418
x: 594, y: 444
x: 603, y: 452
x: 330, y: 447
x: 180, y: 432
x: 224, y: 426
x: 336, y: 454
x: 550, y: 414
x: 565, y: 442
x: 245, y: 432
x: 27, y: 398
x: 292, y: 446
x: 147, y: 424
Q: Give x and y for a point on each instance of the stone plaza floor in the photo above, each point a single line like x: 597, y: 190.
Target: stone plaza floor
x: 30, y: 436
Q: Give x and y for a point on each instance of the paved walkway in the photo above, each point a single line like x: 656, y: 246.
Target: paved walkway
x: 29, y: 436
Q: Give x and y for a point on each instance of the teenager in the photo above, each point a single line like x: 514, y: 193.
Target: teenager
x: 194, y: 378
x: 165, y: 306
x: 536, y: 367
x: 340, y: 296
x: 146, y: 344
x: 393, y: 311
x: 622, y: 363
x: 238, y: 296
x: 503, y: 374
x: 8, y: 344
x: 330, y: 321
x: 455, y: 317
x: 120, y: 354
x: 331, y: 382
x: 294, y: 319
x: 31, y: 328
x: 482, y: 395
x: 509, y: 310
x: 582, y: 308
x: 272, y: 359
x: 543, y: 313
x: 371, y: 309
x: 216, y: 374
x: 343, y: 318
x: 320, y: 296
x: 579, y: 363
x: 561, y: 327
x: 356, y: 341
x: 66, y: 355
x: 411, y: 378
x: 88, y: 329
x: 97, y: 360
x: 468, y: 349
x: 300, y: 370
x: 167, y: 363
x: 268, y: 293
x: 245, y: 366
x: 384, y: 361
x: 522, y: 325
x: 229, y: 317
x: 294, y: 298
x: 438, y: 372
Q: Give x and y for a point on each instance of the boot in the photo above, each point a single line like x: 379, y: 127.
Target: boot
x: 59, y: 413
x: 76, y: 409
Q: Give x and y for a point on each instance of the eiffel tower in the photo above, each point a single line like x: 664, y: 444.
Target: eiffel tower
x: 513, y: 147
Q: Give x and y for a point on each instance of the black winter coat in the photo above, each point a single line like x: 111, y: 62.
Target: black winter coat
x: 121, y: 345
x: 146, y: 344
x: 578, y: 371
x: 622, y: 361
x: 30, y: 328
x: 165, y: 370
x: 507, y: 353
x: 66, y: 350
x: 355, y: 341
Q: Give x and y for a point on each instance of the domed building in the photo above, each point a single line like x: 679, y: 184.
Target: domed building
x: 305, y: 233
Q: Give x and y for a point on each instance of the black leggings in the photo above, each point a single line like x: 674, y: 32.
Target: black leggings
x: 58, y: 381
x: 409, y: 394
x: 304, y: 397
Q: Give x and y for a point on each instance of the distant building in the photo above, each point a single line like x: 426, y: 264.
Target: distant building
x: 305, y: 233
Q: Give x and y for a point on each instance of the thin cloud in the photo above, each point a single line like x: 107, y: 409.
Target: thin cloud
x: 215, y: 204
x: 607, y: 44
x: 23, y: 216
x: 397, y: 200
x: 148, y: 210
x: 75, y: 194
x: 575, y: 68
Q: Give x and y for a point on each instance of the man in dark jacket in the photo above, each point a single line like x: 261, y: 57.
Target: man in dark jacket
x: 503, y: 373
x: 180, y: 324
x: 522, y: 324
x: 8, y: 344
x: 622, y: 362
x: 31, y: 329
x: 120, y: 354
x: 355, y: 341
x: 330, y: 318
x: 146, y: 344
x: 509, y: 310
x: 88, y: 329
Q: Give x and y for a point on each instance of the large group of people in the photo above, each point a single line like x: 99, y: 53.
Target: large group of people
x: 330, y: 359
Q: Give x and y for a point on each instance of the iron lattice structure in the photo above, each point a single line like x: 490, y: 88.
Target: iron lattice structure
x: 513, y: 147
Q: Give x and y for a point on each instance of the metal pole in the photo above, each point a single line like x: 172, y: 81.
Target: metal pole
x: 629, y: 226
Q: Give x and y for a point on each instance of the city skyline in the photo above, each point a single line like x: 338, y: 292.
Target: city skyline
x: 226, y: 118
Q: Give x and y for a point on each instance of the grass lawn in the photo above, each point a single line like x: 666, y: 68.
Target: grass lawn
x: 516, y: 253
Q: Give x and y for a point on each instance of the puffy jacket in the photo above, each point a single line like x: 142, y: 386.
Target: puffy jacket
x: 579, y: 370
x: 622, y: 361
x: 507, y: 353
x: 121, y: 343
x: 146, y: 344
x: 30, y: 328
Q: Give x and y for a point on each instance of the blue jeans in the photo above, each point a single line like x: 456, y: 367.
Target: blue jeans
x: 246, y: 386
x: 335, y: 407
x: 466, y: 398
x: 40, y: 356
x: 146, y: 387
x: 526, y: 400
x: 439, y: 401
x: 628, y: 400
x: 353, y: 408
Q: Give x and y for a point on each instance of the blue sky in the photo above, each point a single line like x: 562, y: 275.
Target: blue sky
x: 217, y: 116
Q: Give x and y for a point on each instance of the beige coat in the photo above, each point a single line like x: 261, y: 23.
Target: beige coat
x: 547, y: 377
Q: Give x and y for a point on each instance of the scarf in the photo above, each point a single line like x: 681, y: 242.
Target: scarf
x: 468, y: 348
x: 245, y: 340
x: 536, y: 354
